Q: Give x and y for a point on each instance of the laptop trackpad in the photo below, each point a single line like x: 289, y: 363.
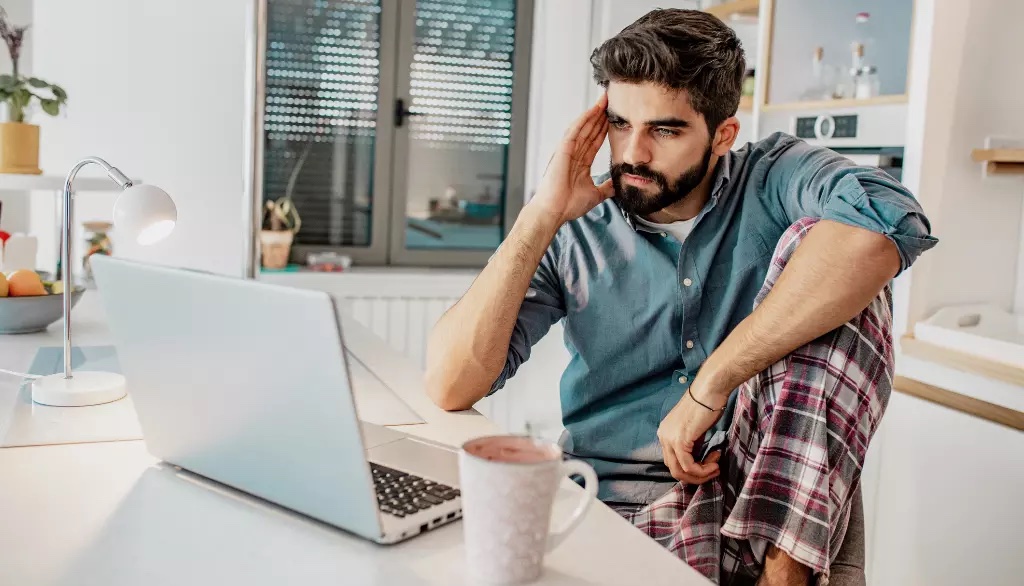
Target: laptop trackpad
x: 409, y: 455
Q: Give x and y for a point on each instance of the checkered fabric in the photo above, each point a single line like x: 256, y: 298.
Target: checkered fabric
x: 796, y: 447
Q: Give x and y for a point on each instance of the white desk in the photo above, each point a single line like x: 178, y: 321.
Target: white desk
x: 109, y: 514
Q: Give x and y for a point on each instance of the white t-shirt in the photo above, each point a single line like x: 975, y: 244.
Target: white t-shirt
x: 678, y: 230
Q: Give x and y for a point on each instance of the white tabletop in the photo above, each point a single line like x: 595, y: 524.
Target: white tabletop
x: 110, y: 514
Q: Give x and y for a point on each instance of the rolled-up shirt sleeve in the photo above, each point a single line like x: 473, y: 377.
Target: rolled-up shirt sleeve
x: 542, y: 306
x: 816, y: 182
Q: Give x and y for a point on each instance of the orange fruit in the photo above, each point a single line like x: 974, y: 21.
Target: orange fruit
x: 3, y: 285
x: 24, y: 283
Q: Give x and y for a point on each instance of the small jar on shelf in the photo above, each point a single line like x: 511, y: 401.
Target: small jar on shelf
x: 97, y: 241
x: 865, y: 83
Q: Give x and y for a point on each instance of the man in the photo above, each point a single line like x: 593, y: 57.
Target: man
x: 727, y: 312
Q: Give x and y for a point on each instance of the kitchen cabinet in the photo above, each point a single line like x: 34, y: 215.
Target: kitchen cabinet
x: 802, y: 52
x: 862, y: 48
x: 943, y: 498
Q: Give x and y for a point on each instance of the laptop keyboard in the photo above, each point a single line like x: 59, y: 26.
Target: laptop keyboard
x: 401, y: 493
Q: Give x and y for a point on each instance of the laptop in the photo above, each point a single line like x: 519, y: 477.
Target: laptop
x: 247, y: 383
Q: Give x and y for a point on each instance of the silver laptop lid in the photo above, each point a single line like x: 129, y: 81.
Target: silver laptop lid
x: 242, y: 382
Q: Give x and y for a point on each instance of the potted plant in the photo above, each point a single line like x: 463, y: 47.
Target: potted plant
x: 281, y: 221
x: 19, y: 142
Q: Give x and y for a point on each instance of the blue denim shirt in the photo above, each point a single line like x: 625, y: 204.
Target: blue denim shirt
x: 643, y: 311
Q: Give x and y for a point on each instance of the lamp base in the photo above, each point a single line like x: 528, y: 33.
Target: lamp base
x: 83, y: 389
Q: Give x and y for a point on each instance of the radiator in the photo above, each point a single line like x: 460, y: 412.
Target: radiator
x: 405, y: 323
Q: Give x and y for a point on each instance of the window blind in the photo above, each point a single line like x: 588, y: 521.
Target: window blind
x: 322, y: 80
x: 461, y: 74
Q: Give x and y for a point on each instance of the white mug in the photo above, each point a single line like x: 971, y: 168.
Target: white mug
x: 508, y: 486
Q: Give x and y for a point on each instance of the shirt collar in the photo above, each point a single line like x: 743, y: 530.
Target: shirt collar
x: 723, y: 174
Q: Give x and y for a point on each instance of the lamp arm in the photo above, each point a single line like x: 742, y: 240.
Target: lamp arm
x: 65, y: 265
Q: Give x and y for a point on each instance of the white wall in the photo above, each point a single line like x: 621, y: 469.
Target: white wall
x: 20, y: 14
x: 748, y: 31
x: 16, y: 204
x: 1018, y: 305
x: 156, y: 88
x: 559, y: 78
x: 968, y: 91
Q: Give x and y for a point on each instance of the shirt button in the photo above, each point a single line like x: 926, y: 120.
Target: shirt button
x: 664, y: 235
x: 682, y: 380
x: 689, y: 343
x: 687, y: 282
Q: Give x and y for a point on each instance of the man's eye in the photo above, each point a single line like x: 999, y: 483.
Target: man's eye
x: 667, y: 132
x: 620, y: 124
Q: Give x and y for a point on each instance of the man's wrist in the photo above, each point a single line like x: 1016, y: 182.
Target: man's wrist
x: 713, y: 383
x: 539, y: 216
x: 530, y: 236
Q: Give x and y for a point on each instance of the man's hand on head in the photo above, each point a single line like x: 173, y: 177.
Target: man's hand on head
x: 567, y: 191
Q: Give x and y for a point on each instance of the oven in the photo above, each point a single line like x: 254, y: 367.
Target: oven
x: 848, y: 135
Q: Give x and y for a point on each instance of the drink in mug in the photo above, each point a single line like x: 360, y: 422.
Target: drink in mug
x: 508, y: 486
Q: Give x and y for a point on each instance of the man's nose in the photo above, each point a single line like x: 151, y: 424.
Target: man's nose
x: 637, y: 151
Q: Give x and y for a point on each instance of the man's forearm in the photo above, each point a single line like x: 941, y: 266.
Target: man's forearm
x: 469, y: 344
x: 832, y: 276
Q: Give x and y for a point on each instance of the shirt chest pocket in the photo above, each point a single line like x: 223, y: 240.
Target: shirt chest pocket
x: 745, y: 259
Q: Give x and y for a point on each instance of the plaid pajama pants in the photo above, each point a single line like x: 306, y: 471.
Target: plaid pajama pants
x: 795, y: 451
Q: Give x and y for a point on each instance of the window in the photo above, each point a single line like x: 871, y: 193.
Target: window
x: 397, y: 126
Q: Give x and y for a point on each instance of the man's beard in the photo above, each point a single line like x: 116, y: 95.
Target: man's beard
x: 635, y: 201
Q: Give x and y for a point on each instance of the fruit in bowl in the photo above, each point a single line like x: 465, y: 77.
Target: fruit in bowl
x: 25, y: 283
x: 30, y: 304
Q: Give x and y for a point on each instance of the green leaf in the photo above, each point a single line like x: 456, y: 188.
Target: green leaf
x: 37, y: 83
x: 7, y: 81
x: 59, y: 93
x: 51, y: 107
x: 22, y: 96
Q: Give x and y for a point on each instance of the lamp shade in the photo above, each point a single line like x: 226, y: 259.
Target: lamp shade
x: 145, y: 213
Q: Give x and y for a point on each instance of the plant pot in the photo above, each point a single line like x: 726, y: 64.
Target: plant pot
x: 19, y: 148
x: 275, y: 246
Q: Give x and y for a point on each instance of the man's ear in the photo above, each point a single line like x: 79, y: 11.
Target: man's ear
x: 725, y: 136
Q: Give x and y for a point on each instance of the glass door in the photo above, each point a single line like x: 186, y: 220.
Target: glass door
x: 459, y: 117
x: 324, y: 144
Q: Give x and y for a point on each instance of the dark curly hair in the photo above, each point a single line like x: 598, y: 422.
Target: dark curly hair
x: 681, y: 50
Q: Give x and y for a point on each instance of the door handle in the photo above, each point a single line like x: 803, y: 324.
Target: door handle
x: 401, y: 113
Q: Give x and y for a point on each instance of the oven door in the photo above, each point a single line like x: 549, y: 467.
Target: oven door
x: 888, y: 159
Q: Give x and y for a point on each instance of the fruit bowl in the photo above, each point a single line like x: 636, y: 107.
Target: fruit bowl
x: 23, y: 315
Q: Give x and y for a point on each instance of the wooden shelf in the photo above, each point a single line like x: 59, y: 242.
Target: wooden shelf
x: 979, y: 365
x: 988, y: 411
x: 1000, y: 161
x: 738, y: 7
x: 829, y: 104
x: 747, y: 104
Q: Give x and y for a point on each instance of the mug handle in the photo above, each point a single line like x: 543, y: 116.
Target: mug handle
x: 570, y: 467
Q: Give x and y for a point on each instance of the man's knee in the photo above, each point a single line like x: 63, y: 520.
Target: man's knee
x: 782, y: 570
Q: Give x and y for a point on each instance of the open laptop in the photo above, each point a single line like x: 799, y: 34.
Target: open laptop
x: 246, y: 383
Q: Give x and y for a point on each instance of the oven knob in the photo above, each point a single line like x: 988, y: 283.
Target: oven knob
x: 824, y: 127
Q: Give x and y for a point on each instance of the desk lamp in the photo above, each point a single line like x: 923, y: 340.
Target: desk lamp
x: 142, y: 212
